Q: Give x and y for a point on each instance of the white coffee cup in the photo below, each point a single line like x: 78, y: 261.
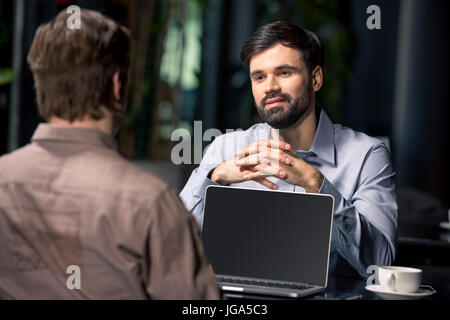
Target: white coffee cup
x: 399, y: 279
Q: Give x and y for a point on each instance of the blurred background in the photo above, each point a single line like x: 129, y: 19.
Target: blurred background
x: 390, y: 83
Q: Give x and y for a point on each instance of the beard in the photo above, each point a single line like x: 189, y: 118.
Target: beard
x: 281, y: 118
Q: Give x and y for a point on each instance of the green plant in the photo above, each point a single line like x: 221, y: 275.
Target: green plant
x: 6, y: 76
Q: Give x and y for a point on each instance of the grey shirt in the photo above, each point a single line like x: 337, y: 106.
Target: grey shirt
x: 357, y: 172
x: 69, y: 198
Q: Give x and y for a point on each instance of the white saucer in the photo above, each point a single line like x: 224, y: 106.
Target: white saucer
x: 423, y: 291
x: 445, y: 225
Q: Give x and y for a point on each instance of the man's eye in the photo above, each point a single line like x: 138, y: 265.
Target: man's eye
x: 258, y: 78
x: 285, y: 73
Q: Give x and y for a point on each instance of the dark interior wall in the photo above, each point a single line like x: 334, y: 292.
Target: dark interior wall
x: 36, y: 13
x: 211, y: 65
x: 400, y: 88
x: 370, y: 97
x: 421, y: 110
x: 226, y: 26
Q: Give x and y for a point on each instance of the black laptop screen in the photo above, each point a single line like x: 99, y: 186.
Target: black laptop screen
x: 268, y: 234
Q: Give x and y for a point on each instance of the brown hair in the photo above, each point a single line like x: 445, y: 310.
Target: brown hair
x: 288, y: 35
x: 73, y: 69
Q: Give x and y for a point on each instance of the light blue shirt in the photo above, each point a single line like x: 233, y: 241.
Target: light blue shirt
x: 357, y: 172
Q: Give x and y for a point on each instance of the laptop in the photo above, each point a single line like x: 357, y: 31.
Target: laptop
x: 266, y: 242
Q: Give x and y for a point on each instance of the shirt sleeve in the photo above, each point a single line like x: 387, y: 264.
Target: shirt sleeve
x: 193, y: 193
x: 365, y: 226
x: 175, y: 265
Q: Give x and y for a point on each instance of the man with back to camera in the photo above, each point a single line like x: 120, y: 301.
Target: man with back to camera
x: 299, y: 149
x: 70, y: 203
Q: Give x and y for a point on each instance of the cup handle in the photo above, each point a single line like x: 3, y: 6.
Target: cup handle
x: 391, y: 282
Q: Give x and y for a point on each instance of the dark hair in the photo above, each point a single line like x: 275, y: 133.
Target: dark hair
x: 288, y: 35
x: 73, y: 69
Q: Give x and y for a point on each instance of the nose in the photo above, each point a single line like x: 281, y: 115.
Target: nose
x: 272, y: 85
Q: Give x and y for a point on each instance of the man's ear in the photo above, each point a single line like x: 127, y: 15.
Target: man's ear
x: 316, y: 78
x: 117, y: 85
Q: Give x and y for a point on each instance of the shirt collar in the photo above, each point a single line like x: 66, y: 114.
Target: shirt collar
x: 323, y: 144
x: 93, y: 137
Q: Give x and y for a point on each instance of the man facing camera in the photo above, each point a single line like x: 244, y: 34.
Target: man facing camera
x: 77, y: 221
x: 299, y: 149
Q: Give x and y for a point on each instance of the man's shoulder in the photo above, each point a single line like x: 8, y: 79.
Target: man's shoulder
x: 102, y: 170
x: 121, y: 174
x: 12, y: 160
x: 346, y: 137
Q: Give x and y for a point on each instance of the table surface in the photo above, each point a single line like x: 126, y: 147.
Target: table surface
x: 411, y: 237
x: 437, y: 277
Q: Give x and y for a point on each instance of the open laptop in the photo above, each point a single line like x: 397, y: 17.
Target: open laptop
x: 273, y: 243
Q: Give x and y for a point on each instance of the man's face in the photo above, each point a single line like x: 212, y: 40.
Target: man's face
x: 280, y: 85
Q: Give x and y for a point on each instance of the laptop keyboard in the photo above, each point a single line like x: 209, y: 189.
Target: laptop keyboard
x: 275, y: 284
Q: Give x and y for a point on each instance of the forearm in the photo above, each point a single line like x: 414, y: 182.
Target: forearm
x: 315, y: 182
x: 362, y: 234
x: 217, y: 176
x: 360, y: 242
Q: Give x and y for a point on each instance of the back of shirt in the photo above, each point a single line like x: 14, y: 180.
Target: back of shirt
x: 77, y: 221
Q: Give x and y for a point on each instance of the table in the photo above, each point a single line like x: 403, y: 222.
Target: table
x: 423, y: 245
x: 436, y: 276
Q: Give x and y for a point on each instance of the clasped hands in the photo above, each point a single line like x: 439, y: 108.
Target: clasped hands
x: 263, y: 159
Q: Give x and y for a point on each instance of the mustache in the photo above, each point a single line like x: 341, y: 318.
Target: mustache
x: 275, y: 95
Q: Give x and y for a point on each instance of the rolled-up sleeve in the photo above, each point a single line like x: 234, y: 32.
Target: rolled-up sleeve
x: 365, y: 226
